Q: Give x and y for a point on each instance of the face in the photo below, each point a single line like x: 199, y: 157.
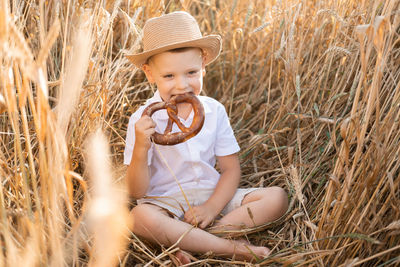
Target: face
x: 176, y: 72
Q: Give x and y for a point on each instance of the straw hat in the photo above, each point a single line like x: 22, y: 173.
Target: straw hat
x: 175, y: 30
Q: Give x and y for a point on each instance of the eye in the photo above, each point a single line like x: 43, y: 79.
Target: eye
x: 167, y: 76
x: 192, y: 72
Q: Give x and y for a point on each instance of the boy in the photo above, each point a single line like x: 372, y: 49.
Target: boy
x: 163, y: 177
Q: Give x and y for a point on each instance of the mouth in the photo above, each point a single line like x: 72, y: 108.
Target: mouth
x: 190, y: 92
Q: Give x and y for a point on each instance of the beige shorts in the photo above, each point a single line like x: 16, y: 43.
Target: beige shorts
x: 177, y: 205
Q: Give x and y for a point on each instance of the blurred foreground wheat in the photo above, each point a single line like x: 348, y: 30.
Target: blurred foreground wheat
x: 312, y: 89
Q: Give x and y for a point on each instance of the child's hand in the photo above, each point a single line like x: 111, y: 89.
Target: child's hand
x: 144, y: 128
x: 202, y: 216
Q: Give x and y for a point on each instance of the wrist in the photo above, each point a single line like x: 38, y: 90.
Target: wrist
x: 213, y: 207
x: 142, y: 145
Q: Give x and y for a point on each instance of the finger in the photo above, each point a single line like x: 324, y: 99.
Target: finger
x: 142, y: 127
x: 149, y: 131
x: 191, y: 212
x: 192, y: 219
x: 188, y: 217
x: 146, y: 119
x: 197, y: 220
x: 149, y: 123
x: 205, y: 223
x: 152, y: 123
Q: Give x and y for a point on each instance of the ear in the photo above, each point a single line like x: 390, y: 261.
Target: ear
x: 148, y: 72
x: 203, y: 57
x: 203, y: 64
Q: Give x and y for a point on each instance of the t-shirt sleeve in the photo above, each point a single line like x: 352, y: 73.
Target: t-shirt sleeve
x: 130, y: 140
x: 226, y: 143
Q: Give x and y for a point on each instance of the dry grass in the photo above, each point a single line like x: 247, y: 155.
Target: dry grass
x: 312, y: 89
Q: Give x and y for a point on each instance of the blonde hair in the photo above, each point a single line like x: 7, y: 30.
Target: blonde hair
x: 178, y: 50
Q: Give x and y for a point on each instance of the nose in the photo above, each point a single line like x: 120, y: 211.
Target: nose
x: 181, y: 83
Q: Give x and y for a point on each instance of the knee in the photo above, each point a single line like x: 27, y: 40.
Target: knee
x: 281, y: 199
x: 144, y: 217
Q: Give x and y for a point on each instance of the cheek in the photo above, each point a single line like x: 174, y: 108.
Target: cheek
x: 200, y: 85
x: 165, y: 89
x: 164, y: 84
x: 197, y: 82
x: 164, y: 95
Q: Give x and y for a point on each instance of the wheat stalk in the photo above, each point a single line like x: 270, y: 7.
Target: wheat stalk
x: 312, y: 93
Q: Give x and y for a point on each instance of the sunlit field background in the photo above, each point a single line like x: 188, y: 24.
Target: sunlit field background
x: 312, y: 89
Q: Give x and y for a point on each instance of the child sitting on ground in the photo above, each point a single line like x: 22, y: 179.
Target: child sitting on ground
x: 179, y: 191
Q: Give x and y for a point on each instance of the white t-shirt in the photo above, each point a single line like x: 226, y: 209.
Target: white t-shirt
x: 192, y: 161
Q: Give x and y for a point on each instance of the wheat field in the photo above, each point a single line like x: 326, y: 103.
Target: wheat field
x: 312, y: 89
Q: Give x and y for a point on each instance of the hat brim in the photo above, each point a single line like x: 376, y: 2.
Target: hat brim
x: 210, y: 44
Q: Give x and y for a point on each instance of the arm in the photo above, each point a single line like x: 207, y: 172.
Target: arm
x: 137, y: 175
x: 223, y: 193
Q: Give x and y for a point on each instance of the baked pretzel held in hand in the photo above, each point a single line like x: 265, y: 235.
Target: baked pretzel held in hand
x: 169, y: 138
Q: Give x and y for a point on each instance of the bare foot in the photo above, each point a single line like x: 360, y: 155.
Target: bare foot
x: 246, y: 251
x: 183, y: 257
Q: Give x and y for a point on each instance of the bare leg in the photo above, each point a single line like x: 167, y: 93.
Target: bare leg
x: 152, y: 223
x: 265, y: 205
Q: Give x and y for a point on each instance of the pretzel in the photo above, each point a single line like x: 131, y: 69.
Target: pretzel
x: 169, y: 138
